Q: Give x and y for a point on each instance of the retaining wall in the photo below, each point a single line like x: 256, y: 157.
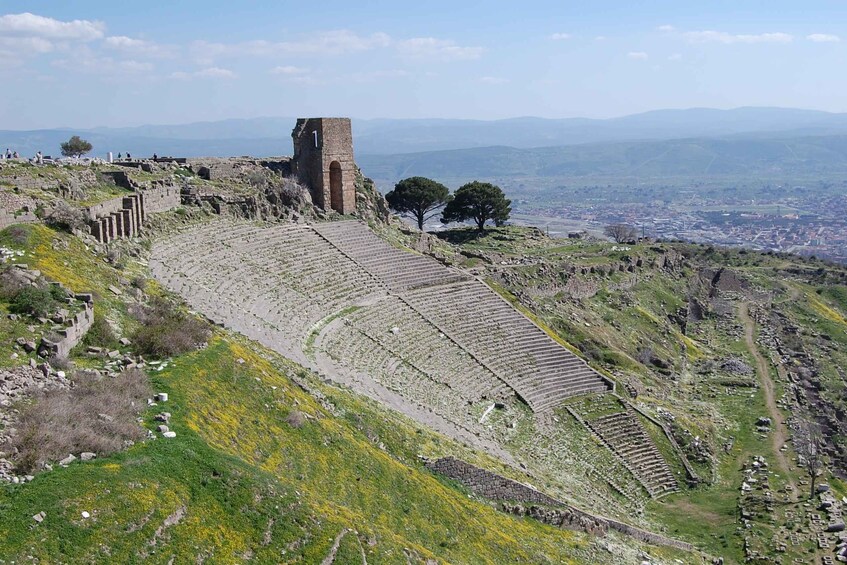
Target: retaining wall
x: 9, y: 218
x: 72, y: 334
x: 495, y: 487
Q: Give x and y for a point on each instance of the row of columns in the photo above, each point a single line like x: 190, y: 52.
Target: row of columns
x: 125, y: 222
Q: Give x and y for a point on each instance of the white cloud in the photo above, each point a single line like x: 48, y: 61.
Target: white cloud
x: 675, y: 57
x: 31, y: 25
x: 666, y: 28
x: 26, y: 35
x: 600, y: 38
x: 288, y: 70
x: 560, y: 36
x: 706, y: 36
x: 823, y: 38
x: 138, y: 46
x: 324, y: 43
x: 92, y: 64
x: 637, y: 55
x: 493, y: 80
x: 439, y: 49
x: 215, y: 72
x: 209, y: 72
x: 371, y: 76
x: 26, y: 45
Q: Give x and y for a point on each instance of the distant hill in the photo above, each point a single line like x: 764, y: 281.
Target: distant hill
x: 271, y: 136
x: 737, y: 156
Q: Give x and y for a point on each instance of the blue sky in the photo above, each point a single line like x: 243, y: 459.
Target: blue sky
x: 86, y: 64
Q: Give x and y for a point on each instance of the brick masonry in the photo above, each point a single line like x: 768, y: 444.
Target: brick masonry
x: 323, y: 161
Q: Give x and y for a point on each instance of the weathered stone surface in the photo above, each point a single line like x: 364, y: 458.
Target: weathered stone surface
x: 323, y: 161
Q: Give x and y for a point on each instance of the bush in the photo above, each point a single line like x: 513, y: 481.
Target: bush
x: 11, y: 283
x: 65, y: 217
x: 166, y: 331
x: 97, y: 414
x: 18, y: 234
x: 140, y: 283
x: 100, y: 334
x: 35, y: 301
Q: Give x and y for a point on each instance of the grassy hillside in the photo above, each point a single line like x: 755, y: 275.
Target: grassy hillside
x: 653, y: 316
x: 268, y: 464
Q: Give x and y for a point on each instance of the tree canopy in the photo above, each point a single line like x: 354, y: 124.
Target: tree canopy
x: 480, y: 202
x: 621, y: 233
x: 75, y: 147
x: 419, y: 198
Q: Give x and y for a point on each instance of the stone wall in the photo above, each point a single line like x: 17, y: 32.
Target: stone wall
x: 323, y: 161
x: 8, y: 218
x: 27, y: 182
x: 161, y: 199
x: 489, y: 485
x: 124, y: 216
x: 70, y: 336
x: 495, y: 487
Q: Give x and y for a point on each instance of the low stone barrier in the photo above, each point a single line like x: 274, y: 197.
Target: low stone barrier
x: 70, y: 336
x: 495, y: 487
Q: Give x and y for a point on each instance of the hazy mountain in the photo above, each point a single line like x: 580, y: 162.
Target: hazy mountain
x: 271, y: 136
x: 738, y: 156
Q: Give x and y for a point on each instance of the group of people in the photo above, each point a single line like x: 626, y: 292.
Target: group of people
x: 9, y: 154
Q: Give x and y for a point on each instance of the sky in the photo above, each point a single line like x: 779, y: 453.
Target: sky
x: 93, y: 63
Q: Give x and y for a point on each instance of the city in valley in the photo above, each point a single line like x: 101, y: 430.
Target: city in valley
x: 805, y: 220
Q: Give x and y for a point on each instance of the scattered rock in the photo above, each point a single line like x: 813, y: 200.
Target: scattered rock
x: 162, y: 429
x: 40, y: 516
x: 87, y: 455
x: 161, y: 397
x: 169, y: 434
x: 67, y: 460
x: 115, y: 290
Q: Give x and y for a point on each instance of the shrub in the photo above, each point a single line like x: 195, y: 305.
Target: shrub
x: 97, y: 414
x: 35, y: 301
x: 11, y: 284
x: 100, y: 334
x: 140, y: 283
x: 18, y: 234
x: 60, y: 363
x: 65, y: 217
x: 165, y: 331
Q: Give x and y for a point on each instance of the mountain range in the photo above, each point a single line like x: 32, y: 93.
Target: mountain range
x: 701, y: 141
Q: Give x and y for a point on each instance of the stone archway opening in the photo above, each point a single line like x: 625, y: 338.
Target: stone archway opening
x: 336, y: 187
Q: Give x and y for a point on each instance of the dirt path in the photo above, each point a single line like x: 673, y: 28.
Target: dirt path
x: 778, y: 433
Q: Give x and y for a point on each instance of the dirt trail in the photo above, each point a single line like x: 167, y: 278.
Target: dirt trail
x: 778, y: 433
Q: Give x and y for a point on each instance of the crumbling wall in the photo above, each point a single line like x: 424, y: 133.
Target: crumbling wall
x: 7, y: 218
x: 70, y: 336
x: 495, y: 487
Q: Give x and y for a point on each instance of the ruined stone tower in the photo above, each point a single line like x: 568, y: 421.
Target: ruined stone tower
x: 323, y: 161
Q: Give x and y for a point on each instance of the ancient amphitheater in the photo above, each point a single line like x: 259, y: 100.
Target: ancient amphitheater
x: 401, y: 326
